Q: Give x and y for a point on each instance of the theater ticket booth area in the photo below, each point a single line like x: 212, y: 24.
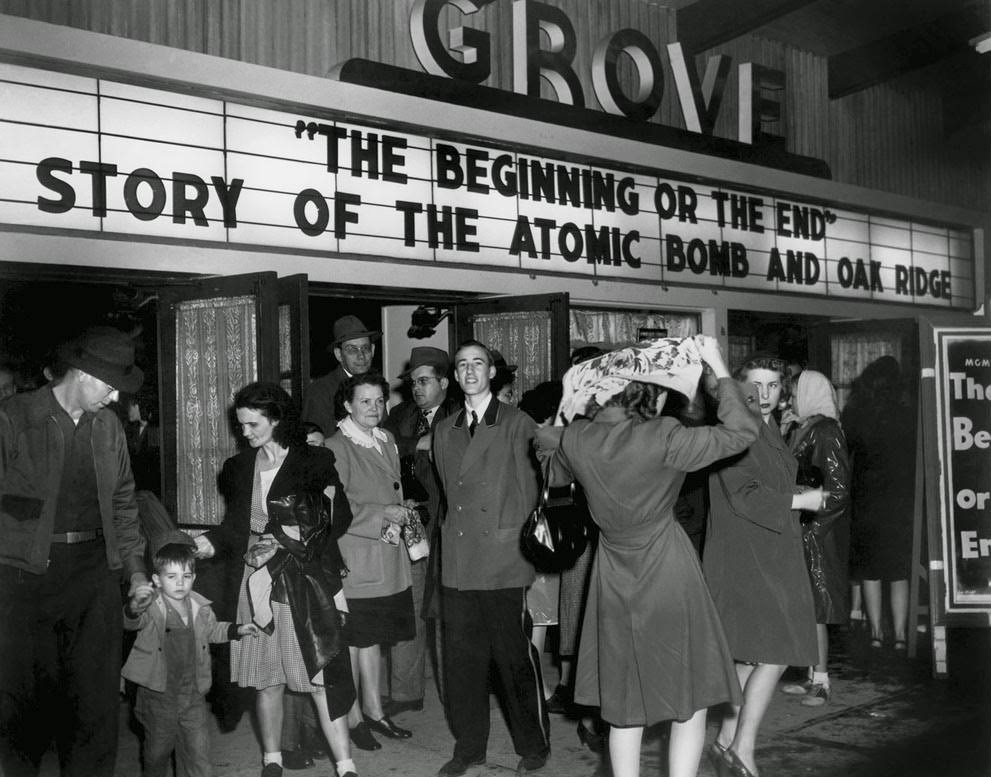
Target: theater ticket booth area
x: 122, y: 156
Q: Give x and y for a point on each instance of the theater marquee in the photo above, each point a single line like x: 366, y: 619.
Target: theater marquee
x: 98, y: 156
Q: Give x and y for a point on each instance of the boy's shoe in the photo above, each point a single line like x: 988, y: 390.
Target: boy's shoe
x: 817, y: 696
x: 272, y: 770
x: 296, y: 759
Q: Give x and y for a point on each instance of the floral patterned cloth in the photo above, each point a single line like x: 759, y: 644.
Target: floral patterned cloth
x: 673, y: 363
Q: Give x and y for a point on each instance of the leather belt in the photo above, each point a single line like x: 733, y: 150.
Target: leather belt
x: 73, y: 537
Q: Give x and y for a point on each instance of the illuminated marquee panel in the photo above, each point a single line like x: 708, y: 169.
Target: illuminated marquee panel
x: 94, y: 155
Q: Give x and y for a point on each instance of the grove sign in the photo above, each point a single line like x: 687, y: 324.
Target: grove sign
x: 103, y: 157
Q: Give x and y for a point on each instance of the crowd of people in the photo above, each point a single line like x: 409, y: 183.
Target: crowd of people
x: 363, y: 547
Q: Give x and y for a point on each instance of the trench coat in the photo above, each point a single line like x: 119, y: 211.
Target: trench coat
x: 753, y: 556
x: 652, y: 646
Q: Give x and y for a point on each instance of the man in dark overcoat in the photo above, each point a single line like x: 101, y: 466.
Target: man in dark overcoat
x: 485, y: 462
x: 354, y: 349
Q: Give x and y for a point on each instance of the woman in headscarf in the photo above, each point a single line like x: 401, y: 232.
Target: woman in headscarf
x: 653, y: 648
x: 755, y: 567
x: 816, y: 440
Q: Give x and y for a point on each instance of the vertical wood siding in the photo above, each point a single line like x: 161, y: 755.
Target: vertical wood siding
x: 887, y: 137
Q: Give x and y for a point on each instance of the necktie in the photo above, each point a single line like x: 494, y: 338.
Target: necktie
x: 422, y: 423
x: 474, y: 424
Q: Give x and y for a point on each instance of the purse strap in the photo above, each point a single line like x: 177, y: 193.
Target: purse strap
x: 545, y: 491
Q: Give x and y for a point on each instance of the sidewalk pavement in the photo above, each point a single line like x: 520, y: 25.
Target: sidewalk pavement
x: 887, y: 716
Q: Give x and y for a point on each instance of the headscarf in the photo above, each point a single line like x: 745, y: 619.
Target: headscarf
x: 674, y: 363
x: 814, y: 395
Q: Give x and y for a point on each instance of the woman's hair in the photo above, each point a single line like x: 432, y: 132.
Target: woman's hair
x: 880, y: 380
x: 501, y: 379
x: 273, y: 402
x: 541, y: 402
x: 766, y: 361
x: 638, y: 399
x: 346, y: 391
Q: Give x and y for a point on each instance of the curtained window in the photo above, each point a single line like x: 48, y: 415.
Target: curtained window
x: 216, y: 339
x: 608, y: 329
x: 524, y: 339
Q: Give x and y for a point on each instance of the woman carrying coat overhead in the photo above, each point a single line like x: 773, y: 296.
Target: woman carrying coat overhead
x: 755, y: 566
x: 653, y: 648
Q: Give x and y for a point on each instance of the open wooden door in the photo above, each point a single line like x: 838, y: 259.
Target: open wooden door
x: 530, y: 331
x: 215, y: 336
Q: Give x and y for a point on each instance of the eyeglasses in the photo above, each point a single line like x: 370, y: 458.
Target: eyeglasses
x: 355, y: 350
x: 424, y: 381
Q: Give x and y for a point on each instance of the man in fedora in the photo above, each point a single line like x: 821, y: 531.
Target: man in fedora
x: 69, y: 531
x: 354, y: 348
x: 412, y: 423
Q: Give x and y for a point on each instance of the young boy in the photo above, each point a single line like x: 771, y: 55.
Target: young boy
x: 170, y: 660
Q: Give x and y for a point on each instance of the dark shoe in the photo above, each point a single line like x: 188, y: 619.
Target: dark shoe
x: 349, y: 774
x: 593, y: 740
x: 296, y: 759
x: 717, y: 757
x: 394, y: 707
x: 736, y: 767
x: 558, y: 702
x: 387, y: 728
x: 456, y: 767
x: 271, y: 770
x: 363, y: 738
x: 531, y: 763
x: 315, y: 746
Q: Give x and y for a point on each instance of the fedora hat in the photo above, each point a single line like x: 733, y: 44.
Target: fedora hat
x: 499, y: 362
x: 105, y: 353
x: 425, y: 355
x: 351, y: 328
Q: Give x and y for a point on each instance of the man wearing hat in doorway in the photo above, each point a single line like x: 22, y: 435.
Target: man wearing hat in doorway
x: 412, y: 423
x: 354, y: 348
x: 68, y: 530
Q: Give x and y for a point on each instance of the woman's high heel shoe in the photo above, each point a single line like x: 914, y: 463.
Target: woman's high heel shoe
x: 387, y: 728
x: 593, y: 740
x: 736, y: 767
x: 717, y: 757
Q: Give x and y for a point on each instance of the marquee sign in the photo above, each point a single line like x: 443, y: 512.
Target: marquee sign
x: 98, y: 156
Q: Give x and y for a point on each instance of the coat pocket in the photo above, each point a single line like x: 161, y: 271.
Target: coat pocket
x: 21, y: 508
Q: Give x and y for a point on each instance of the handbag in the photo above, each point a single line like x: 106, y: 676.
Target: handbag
x: 557, y: 532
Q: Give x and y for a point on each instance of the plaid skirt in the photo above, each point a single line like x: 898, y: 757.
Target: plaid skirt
x: 267, y: 660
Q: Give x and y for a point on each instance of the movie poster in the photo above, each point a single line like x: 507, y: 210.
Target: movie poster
x: 963, y: 379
